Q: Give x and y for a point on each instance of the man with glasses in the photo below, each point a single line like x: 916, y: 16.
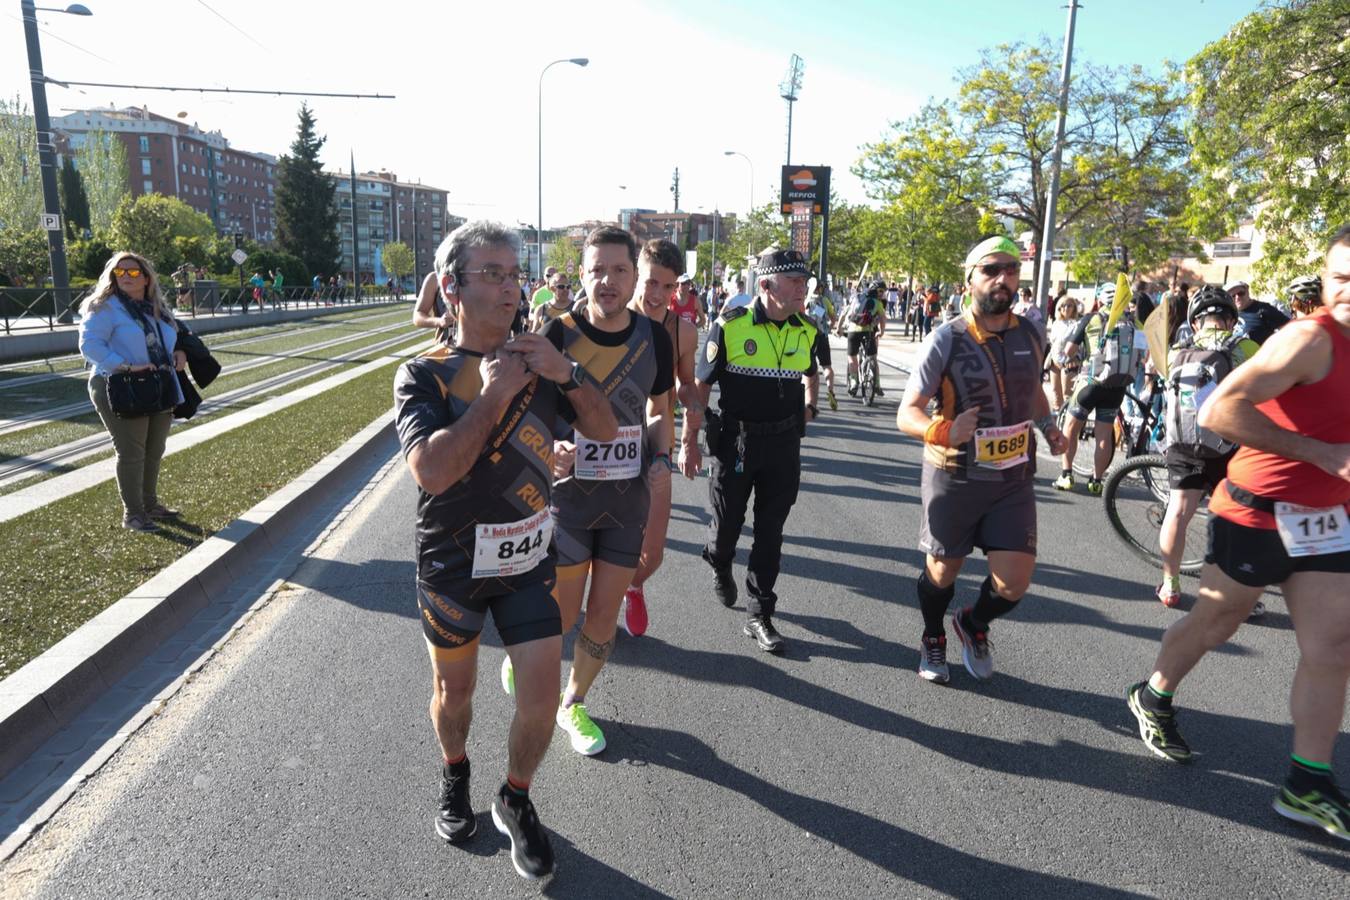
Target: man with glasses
x: 544, y: 293
x: 979, y: 459
x: 475, y: 423
x: 1257, y: 319
x: 559, y: 302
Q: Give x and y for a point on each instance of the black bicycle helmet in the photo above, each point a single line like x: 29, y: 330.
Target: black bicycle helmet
x: 1209, y: 300
x: 1305, y: 294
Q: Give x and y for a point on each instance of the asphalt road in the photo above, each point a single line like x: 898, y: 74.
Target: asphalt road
x: 300, y: 761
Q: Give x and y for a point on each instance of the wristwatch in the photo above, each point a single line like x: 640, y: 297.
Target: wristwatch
x: 575, y: 380
x: 815, y: 413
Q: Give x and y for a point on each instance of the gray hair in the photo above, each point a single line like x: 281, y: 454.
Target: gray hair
x: 453, y: 252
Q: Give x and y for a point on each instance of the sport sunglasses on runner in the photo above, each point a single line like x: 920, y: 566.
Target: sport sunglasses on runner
x: 993, y: 270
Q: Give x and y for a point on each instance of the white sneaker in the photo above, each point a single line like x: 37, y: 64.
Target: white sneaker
x: 933, y: 659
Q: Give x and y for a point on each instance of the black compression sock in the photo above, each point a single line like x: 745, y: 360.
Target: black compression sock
x: 989, y: 607
x: 1305, y: 775
x: 933, y: 603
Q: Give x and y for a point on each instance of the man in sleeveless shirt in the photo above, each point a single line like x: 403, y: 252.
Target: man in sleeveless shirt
x: 659, y: 266
x: 983, y: 370
x: 475, y: 423
x: 600, y: 493
x: 685, y: 302
x: 1281, y: 516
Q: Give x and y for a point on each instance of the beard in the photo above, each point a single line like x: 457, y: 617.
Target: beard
x: 994, y: 303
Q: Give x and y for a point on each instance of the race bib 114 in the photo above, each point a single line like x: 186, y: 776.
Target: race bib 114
x: 1308, y: 531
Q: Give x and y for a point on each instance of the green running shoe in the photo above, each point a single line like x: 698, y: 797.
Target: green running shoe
x: 1094, y: 487
x: 1324, y: 809
x: 1158, y: 730
x: 508, y: 677
x: 1064, y: 482
x: 587, y: 738
x: 834, y: 404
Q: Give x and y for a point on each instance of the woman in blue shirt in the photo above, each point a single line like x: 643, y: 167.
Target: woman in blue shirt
x: 112, y: 339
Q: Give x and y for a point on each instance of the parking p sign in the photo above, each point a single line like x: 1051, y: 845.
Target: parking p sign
x: 49, y: 222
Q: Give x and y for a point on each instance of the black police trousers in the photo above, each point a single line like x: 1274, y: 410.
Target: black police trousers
x: 771, y: 470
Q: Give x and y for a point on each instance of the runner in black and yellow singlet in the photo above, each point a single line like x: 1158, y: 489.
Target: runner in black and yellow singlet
x: 476, y: 425
x: 983, y: 370
x: 600, y: 496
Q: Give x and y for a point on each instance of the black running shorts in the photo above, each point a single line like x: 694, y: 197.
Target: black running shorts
x: 856, y: 340
x: 959, y: 516
x: 1097, y: 396
x: 1256, y: 556
x: 1186, y: 472
x: 452, y: 626
x: 620, y: 547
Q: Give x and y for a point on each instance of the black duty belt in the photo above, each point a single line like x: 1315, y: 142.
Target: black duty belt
x: 1243, y: 497
x: 760, y: 428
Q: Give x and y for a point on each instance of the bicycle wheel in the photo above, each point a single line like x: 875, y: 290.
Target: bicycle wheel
x: 869, y: 389
x: 1135, y: 495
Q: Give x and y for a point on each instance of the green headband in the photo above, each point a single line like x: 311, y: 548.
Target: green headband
x: 996, y: 244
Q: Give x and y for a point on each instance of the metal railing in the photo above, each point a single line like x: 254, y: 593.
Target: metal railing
x: 36, y: 309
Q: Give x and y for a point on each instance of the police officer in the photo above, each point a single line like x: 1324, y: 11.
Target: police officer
x: 759, y: 355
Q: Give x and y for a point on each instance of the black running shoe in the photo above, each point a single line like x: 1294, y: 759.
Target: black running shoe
x: 1158, y: 729
x: 455, y: 822
x: 724, y: 584
x: 514, y: 817
x: 1325, y: 808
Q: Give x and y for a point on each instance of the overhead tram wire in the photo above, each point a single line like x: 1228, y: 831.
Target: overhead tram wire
x: 208, y: 90
x: 218, y: 15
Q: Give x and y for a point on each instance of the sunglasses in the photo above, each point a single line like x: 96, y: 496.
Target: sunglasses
x: 993, y: 270
x: 130, y: 273
x: 493, y: 275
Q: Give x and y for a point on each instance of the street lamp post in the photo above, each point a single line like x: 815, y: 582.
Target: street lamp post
x: 752, y: 174
x: 539, y: 229
x: 46, y: 145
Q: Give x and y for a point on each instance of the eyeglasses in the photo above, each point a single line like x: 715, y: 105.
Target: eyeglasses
x: 560, y: 288
x: 493, y: 274
x: 993, y: 270
x: 130, y: 273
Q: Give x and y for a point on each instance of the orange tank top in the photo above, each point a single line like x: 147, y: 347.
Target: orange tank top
x: 1320, y: 410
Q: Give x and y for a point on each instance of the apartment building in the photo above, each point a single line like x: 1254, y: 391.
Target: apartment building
x: 235, y: 188
x: 388, y: 210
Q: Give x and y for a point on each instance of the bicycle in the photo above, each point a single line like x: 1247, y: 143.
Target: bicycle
x: 869, y: 375
x: 1138, y: 434
x: 1135, y: 495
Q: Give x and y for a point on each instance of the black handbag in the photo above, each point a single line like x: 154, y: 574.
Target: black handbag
x: 132, y: 395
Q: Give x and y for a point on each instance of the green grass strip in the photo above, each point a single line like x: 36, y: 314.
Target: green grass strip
x: 68, y: 561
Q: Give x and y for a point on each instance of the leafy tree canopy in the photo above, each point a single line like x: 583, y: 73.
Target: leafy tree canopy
x: 307, y: 215
x: 150, y: 225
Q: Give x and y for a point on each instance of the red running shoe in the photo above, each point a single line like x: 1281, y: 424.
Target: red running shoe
x: 634, y: 612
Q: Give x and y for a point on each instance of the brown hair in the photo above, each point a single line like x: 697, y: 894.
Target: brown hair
x: 610, y: 234
x: 664, y: 253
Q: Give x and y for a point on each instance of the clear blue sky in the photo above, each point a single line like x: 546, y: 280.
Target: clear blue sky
x: 670, y: 84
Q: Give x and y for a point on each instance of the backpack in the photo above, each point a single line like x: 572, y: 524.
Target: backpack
x: 933, y: 304
x: 1113, y: 357
x: 1193, y: 375
x: 862, y: 312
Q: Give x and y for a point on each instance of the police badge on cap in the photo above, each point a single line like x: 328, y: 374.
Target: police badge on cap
x: 782, y: 262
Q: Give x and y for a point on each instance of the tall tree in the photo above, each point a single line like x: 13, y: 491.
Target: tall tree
x: 20, y: 180
x: 937, y: 193
x: 74, y: 201
x: 102, y: 161
x: 307, y: 216
x: 1270, y: 110
x: 561, y: 252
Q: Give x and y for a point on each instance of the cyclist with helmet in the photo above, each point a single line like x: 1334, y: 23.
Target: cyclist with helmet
x: 1305, y: 295
x: 866, y: 323
x: 821, y: 311
x: 1112, y: 357
x: 1196, y: 458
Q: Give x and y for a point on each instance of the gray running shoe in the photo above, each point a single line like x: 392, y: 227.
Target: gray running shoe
x: 976, y: 652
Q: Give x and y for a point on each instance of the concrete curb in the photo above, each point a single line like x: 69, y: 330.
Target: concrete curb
x: 50, y: 691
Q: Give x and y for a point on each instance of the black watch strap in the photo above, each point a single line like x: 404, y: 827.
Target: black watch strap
x: 576, y: 379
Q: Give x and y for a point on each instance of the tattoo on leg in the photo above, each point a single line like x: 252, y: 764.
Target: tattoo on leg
x: 599, y: 651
